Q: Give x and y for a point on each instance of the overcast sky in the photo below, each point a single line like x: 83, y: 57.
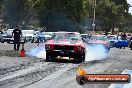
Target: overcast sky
x: 130, y: 2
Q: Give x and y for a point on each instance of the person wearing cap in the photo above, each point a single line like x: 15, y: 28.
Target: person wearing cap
x: 17, y: 36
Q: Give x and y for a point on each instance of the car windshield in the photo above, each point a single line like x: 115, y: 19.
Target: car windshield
x: 98, y: 38
x: 71, y: 36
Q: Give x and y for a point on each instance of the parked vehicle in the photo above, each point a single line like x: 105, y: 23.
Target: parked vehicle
x: 48, y: 35
x: 28, y: 35
x: 85, y: 37
x: 113, y: 40
x: 7, y: 37
x: 122, y: 43
x: 1, y: 34
x: 39, y: 38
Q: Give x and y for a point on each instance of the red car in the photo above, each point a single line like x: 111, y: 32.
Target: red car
x: 65, y: 45
x: 99, y: 40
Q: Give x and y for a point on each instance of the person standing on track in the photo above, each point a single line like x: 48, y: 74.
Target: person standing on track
x: 17, y: 36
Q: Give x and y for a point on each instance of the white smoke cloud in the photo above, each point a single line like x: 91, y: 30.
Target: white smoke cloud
x: 97, y: 52
x: 37, y: 51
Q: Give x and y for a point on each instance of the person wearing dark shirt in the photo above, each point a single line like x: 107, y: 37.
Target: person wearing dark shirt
x: 131, y: 39
x: 17, y: 36
x: 124, y: 37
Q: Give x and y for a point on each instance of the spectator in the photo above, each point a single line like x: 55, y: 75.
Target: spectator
x: 38, y: 38
x: 118, y: 37
x: 124, y: 37
x: 42, y: 37
x: 17, y: 36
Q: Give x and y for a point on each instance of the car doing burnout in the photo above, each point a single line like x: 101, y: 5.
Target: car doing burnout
x: 99, y: 40
x: 65, y: 45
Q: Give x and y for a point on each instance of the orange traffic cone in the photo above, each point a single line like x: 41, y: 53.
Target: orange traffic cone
x: 22, y: 52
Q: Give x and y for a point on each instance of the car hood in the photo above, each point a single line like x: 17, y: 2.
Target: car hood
x: 65, y: 42
x: 98, y: 41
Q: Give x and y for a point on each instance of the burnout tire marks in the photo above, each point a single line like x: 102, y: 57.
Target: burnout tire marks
x: 33, y: 77
x: 10, y: 70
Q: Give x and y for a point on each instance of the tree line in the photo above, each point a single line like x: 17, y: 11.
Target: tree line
x: 42, y: 13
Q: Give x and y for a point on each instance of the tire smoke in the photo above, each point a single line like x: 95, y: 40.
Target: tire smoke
x: 38, y: 51
x: 95, y: 52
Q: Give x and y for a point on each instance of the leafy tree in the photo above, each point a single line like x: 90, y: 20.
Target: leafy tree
x: 1, y: 7
x: 14, y: 11
x: 72, y: 10
x: 112, y: 14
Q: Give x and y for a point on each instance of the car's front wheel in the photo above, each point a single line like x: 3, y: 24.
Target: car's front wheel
x: 49, y: 57
x: 79, y: 58
x: 82, y: 58
x: 8, y: 41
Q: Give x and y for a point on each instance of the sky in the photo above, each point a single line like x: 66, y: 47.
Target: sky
x: 130, y: 2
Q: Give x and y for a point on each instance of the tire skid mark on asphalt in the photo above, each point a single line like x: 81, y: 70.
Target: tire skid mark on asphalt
x: 87, y: 64
x: 11, y: 70
x: 64, y: 67
x: 61, y: 80
x: 44, y: 82
x: 35, y: 76
x: 22, y: 73
x: 119, y: 66
x: 70, y: 81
